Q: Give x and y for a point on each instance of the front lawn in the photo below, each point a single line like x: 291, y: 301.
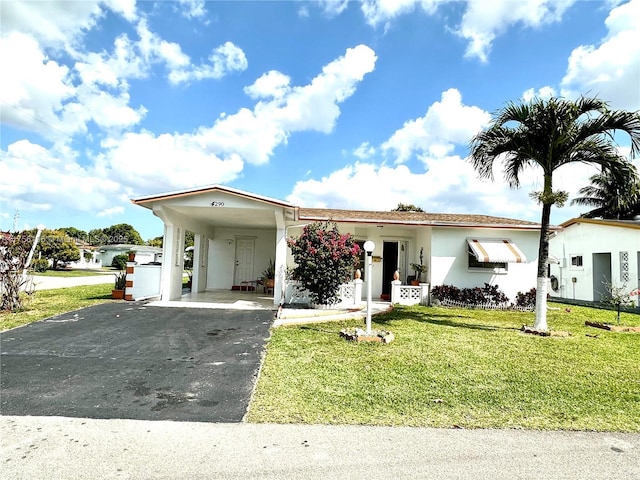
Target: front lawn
x: 456, y: 368
x: 47, y: 303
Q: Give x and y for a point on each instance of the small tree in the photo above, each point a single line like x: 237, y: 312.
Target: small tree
x: 58, y: 247
x: 324, y: 258
x: 14, y: 254
x: 119, y: 262
x: 618, y: 297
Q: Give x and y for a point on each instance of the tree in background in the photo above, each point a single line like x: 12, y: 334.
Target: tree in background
x: 156, y: 242
x: 74, y: 233
x: 122, y: 233
x: 407, y: 207
x: 614, y: 194
x: 97, y: 237
x: 58, y: 247
x: 324, y: 260
x: 549, y: 134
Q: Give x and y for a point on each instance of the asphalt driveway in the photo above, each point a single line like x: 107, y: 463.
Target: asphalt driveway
x: 127, y: 360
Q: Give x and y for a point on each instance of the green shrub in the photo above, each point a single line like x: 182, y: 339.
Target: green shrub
x: 120, y: 261
x: 40, y: 265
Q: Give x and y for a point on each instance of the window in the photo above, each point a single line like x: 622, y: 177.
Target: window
x: 576, y: 261
x: 475, y: 264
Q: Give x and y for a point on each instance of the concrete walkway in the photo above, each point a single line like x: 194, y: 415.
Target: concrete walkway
x: 42, y: 448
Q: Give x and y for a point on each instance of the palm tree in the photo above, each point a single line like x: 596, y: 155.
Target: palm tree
x: 549, y: 134
x: 615, y: 194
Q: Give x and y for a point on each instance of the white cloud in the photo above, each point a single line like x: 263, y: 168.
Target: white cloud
x: 483, y: 21
x: 253, y: 134
x: 154, y: 49
x: 164, y: 162
x: 610, y: 70
x: 34, y: 86
x: 446, y: 123
x: 379, y: 187
x: 193, y: 8
x: 333, y: 8
x: 544, y: 92
x: 126, y: 8
x: 60, y: 24
x: 271, y: 84
x: 35, y: 178
x: 110, y: 212
x: 383, y: 11
x: 224, y: 59
x: 364, y: 151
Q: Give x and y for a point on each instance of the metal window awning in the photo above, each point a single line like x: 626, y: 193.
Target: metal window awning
x: 496, y: 250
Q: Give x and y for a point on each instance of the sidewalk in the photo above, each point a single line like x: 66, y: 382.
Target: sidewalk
x: 42, y: 448
x: 42, y: 282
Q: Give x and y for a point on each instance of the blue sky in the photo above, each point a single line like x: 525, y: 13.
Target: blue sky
x: 335, y: 104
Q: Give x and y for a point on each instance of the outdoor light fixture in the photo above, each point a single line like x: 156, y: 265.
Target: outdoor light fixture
x: 369, y: 246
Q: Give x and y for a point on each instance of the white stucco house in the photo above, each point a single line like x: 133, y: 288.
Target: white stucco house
x: 144, y: 253
x: 237, y: 233
x: 591, y: 253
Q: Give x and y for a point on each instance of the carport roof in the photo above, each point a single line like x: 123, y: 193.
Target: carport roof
x: 344, y: 216
x: 148, y: 199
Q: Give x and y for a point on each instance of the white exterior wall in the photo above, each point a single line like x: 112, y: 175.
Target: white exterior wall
x: 449, y: 260
x: 222, y: 249
x: 145, y: 280
x: 585, y: 239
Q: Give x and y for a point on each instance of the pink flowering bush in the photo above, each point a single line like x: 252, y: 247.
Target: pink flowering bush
x: 325, y: 259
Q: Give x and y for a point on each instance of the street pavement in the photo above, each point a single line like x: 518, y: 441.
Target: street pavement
x: 41, y: 448
x: 43, y: 282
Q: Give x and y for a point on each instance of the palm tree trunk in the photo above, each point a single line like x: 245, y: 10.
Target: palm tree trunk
x: 543, y: 256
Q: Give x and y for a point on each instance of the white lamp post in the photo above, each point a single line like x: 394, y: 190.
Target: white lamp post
x: 368, y: 247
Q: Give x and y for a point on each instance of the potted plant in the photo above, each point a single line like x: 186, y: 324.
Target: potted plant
x: 269, y: 274
x: 131, y: 255
x: 419, y: 269
x: 119, y: 286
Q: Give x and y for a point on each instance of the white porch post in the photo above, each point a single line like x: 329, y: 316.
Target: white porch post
x: 172, y: 262
x: 200, y: 253
x: 395, y: 291
x: 281, y: 258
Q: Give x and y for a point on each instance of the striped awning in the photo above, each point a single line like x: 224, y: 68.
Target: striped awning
x: 496, y: 250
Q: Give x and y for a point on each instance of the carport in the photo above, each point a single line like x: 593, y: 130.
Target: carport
x: 236, y: 234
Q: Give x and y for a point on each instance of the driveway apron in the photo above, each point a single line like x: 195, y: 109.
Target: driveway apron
x: 127, y: 360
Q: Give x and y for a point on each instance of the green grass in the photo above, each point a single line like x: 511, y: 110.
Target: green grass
x: 71, y: 273
x: 47, y: 303
x: 456, y: 367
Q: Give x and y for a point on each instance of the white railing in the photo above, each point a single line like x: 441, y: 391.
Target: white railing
x: 348, y: 294
x: 409, y: 294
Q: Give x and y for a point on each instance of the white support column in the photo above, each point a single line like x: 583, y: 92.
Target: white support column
x: 281, y: 258
x: 424, y: 294
x: 395, y: 291
x: 357, y: 291
x: 200, y: 253
x: 172, y: 262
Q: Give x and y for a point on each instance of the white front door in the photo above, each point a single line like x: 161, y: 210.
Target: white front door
x: 245, y: 248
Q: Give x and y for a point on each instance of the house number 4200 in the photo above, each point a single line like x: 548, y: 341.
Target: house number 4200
x: 216, y: 203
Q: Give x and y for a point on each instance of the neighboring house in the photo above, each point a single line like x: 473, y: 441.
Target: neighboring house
x: 144, y: 254
x: 592, y: 253
x: 237, y: 233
